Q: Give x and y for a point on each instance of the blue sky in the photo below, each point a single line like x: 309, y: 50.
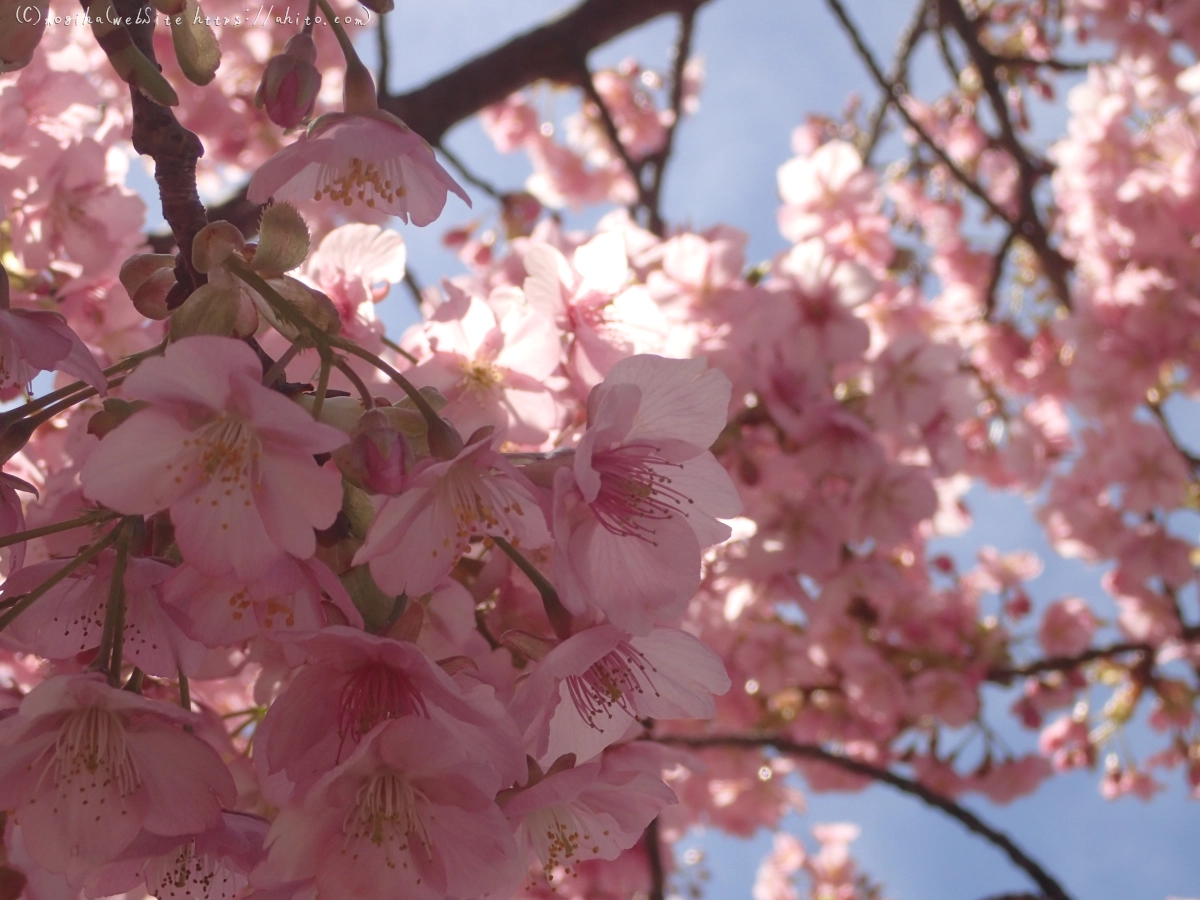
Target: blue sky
x: 769, y: 64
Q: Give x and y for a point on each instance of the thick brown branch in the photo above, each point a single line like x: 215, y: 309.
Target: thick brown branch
x: 555, y: 51
x: 1051, y: 888
x: 174, y: 149
x: 658, y: 876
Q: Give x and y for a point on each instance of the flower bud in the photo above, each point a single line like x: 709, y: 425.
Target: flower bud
x: 519, y: 211
x: 290, y: 83
x: 214, y: 243
x: 196, y: 47
x: 148, y: 278
x: 24, y: 23
x: 444, y: 440
x: 283, y: 240
x: 379, y: 456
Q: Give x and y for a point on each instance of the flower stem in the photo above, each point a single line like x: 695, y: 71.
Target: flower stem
x: 322, y: 381
x: 185, y: 692
x: 392, y: 345
x: 280, y: 365
x: 95, y: 517
x: 112, y: 639
x: 339, y: 32
x: 32, y: 406
x: 418, y: 399
x: 364, y: 392
x: 559, y: 618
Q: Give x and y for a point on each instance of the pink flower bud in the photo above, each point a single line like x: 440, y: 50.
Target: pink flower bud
x: 379, y: 454
x: 290, y: 83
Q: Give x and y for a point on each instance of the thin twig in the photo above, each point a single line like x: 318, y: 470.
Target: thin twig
x: 868, y: 59
x: 1055, y: 65
x: 414, y: 288
x: 385, y: 56
x: 1192, y: 459
x: 993, y: 285
x: 658, y: 876
x: 614, y: 138
x: 683, y: 50
x: 897, y: 76
x: 469, y: 176
x: 1049, y: 886
x: 1029, y: 224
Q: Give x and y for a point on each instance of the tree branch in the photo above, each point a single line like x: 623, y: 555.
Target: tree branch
x: 1051, y: 888
x: 897, y: 93
x: 896, y: 77
x: 587, y: 84
x: 683, y: 50
x: 554, y: 51
x: 175, y: 151
x: 1029, y: 225
x: 658, y: 877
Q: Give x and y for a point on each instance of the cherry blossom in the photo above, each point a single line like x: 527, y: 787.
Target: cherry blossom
x: 588, y: 691
x: 225, y: 449
x: 372, y: 160
x: 420, y: 534
x: 643, y: 495
x: 75, y: 742
x: 409, y: 811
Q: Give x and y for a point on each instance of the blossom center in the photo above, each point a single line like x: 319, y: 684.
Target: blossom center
x: 480, y: 377
x: 373, y: 694
x: 634, y: 490
x: 91, y: 750
x: 473, y: 508
x: 385, y: 813
x: 365, y: 182
x: 557, y: 837
x: 188, y: 875
x: 228, y: 451
x: 612, y: 682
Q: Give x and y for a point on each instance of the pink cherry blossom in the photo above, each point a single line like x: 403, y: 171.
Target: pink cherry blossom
x: 420, y: 534
x: 352, y: 682
x: 590, y: 811
x: 222, y: 452
x: 643, y: 495
x: 590, y: 301
x: 69, y: 619
x: 493, y: 369
x: 409, y: 813
x: 214, y: 863
x: 33, y: 341
x: 373, y: 160
x: 12, y: 513
x: 1067, y: 627
x: 586, y: 693
x: 290, y: 597
x: 87, y: 766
